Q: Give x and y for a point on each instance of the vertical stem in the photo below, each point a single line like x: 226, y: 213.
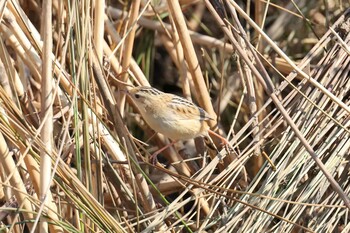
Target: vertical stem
x: 46, y: 110
x: 129, y: 44
x: 98, y: 33
x: 99, y: 27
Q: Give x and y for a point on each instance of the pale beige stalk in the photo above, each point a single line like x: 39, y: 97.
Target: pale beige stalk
x: 98, y: 30
x: 128, y: 46
x: 46, y: 113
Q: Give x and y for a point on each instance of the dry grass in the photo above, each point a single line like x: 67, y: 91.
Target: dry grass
x: 277, y: 76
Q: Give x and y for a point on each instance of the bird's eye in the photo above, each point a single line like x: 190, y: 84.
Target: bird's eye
x: 137, y: 96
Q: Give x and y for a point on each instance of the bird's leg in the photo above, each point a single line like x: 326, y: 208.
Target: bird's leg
x: 153, y: 157
x: 224, y: 141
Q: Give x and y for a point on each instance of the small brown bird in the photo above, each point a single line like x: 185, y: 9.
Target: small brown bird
x: 171, y: 115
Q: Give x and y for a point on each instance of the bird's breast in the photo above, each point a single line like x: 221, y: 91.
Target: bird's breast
x: 176, y: 129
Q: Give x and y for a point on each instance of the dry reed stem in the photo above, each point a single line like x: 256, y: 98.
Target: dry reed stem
x: 260, y: 16
x: 99, y: 28
x: 128, y: 46
x: 46, y: 115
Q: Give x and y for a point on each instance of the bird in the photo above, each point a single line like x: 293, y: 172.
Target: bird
x: 173, y: 116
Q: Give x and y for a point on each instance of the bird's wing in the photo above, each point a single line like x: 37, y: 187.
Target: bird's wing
x: 187, y: 110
